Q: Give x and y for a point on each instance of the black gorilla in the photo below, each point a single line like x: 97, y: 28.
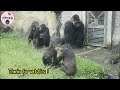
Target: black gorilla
x: 33, y: 28
x: 50, y: 56
x: 36, y: 39
x: 44, y: 37
x: 69, y: 62
x: 74, y: 32
x: 41, y: 36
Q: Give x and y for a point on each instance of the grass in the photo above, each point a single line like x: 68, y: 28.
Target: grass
x: 17, y: 54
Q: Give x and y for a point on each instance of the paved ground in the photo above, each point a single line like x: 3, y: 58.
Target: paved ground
x: 98, y: 55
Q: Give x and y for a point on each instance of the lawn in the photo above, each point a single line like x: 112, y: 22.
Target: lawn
x: 16, y: 54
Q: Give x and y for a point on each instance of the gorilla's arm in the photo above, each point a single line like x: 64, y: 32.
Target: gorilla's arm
x: 80, y: 34
x: 68, y: 28
x: 47, y: 31
x: 60, y: 58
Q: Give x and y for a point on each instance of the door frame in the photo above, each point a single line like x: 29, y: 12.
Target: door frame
x: 107, y: 28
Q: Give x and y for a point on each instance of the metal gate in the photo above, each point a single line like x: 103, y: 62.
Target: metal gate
x: 96, y: 28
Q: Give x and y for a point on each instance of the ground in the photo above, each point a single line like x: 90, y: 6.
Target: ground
x: 99, y: 55
x: 17, y: 54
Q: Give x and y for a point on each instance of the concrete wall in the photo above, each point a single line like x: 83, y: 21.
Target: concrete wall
x: 116, y: 28
x: 24, y: 19
x: 108, y: 28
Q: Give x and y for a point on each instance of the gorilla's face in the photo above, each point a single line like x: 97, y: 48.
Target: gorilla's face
x: 76, y: 24
x: 42, y: 26
x: 41, y: 35
x: 33, y: 27
x: 65, y: 46
x: 47, y: 58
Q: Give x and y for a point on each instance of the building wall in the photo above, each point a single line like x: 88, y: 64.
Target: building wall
x: 116, y: 28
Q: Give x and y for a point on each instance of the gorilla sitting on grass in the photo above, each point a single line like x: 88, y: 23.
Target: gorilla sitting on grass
x: 69, y: 62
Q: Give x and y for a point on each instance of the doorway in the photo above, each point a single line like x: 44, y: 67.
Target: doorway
x: 96, y: 30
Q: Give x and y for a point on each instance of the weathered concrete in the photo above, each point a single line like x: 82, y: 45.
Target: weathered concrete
x: 108, y: 31
x: 116, y: 28
x: 24, y: 19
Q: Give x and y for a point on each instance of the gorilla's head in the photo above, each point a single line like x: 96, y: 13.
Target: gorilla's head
x: 75, y: 20
x: 42, y: 26
x: 76, y: 24
x: 75, y: 17
x: 47, y: 57
x: 33, y: 27
x: 65, y: 46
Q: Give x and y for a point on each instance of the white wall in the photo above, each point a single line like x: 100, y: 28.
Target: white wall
x: 24, y: 19
x: 116, y: 28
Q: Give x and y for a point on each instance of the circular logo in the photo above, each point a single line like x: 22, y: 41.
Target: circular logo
x: 7, y: 18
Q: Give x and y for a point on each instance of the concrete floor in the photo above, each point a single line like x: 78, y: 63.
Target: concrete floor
x: 98, y: 55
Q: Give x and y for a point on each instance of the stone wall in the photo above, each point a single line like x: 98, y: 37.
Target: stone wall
x: 24, y: 19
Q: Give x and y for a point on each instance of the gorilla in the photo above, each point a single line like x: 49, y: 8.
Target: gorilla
x: 44, y: 35
x: 50, y: 56
x: 69, y: 62
x: 74, y: 32
x: 36, y: 38
x: 41, y: 36
x: 33, y: 28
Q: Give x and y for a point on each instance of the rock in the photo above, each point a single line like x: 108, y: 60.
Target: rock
x: 107, y: 61
x: 113, y: 75
x: 6, y: 30
x: 115, y: 59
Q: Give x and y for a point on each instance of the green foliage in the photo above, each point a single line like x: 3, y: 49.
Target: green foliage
x: 17, y: 54
x: 89, y: 69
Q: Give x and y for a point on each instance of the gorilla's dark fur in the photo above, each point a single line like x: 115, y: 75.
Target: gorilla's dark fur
x: 50, y: 56
x: 41, y: 36
x: 33, y: 28
x: 74, y: 32
x: 69, y: 62
x: 44, y: 35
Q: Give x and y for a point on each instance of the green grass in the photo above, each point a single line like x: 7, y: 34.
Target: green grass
x: 17, y: 54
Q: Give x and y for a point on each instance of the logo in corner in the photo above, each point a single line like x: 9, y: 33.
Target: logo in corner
x: 7, y: 18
